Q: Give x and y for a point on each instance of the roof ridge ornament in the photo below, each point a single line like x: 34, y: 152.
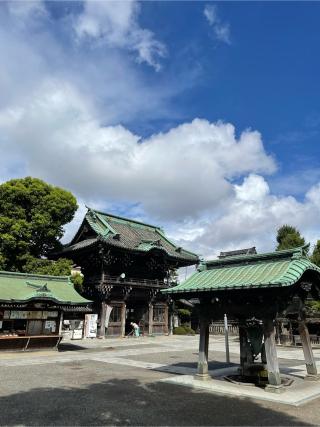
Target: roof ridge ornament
x: 301, y: 252
x: 39, y: 288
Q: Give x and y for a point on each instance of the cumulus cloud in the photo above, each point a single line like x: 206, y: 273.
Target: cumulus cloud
x: 221, y: 29
x: 115, y: 23
x: 177, y: 174
x: 252, y: 218
x: 111, y: 81
x: 27, y: 12
x: 206, y: 186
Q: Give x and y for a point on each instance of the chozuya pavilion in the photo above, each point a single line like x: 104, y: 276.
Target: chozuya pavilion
x: 254, y: 290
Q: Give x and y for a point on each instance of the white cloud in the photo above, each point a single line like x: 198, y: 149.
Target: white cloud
x: 55, y: 123
x: 115, y: 23
x: 173, y: 175
x: 44, y: 47
x: 252, y: 218
x: 221, y: 29
x: 27, y: 12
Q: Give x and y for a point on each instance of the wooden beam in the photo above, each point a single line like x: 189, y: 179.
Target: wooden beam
x: 311, y: 366
x: 166, y: 319
x: 203, y: 373
x: 150, y: 319
x: 123, y: 319
x: 103, y: 313
x: 272, y: 358
x: 243, y: 348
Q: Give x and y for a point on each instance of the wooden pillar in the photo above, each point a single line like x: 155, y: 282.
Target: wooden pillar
x: 123, y: 319
x: 243, y: 348
x: 61, y: 323
x: 166, y: 320
x: 203, y: 373
x: 150, y: 319
x: 271, y: 356
x: 311, y: 366
x: 103, y: 312
x: 171, y: 323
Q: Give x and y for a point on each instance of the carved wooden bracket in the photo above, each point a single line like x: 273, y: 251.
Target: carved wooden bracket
x: 126, y: 292
x: 152, y: 295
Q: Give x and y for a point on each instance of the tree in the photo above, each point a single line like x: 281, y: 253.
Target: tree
x: 289, y: 237
x: 61, y: 267
x: 32, y: 216
x: 315, y: 257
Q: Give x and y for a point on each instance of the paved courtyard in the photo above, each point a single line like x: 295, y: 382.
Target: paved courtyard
x: 123, y: 382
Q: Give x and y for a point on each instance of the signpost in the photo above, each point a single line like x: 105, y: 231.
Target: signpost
x: 226, y: 338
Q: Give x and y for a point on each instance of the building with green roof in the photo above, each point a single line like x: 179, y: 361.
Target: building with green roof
x: 126, y: 263
x: 32, y: 308
x: 254, y: 289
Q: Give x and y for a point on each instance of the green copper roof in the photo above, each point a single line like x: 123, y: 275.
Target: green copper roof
x: 276, y: 269
x: 20, y: 287
x: 99, y: 227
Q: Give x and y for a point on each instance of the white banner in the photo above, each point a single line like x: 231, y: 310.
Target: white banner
x: 108, y: 312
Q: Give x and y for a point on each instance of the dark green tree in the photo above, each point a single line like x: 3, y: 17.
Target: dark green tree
x: 315, y: 257
x: 61, y: 267
x: 289, y: 237
x: 32, y: 216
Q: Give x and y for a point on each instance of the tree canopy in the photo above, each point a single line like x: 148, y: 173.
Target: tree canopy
x: 315, y: 257
x: 289, y: 237
x: 32, y: 216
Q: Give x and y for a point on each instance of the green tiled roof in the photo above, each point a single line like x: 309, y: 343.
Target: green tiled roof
x: 276, y: 269
x: 20, y: 287
x: 127, y: 234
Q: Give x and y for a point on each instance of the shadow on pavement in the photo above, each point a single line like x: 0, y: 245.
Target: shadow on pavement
x: 70, y: 347
x: 124, y: 402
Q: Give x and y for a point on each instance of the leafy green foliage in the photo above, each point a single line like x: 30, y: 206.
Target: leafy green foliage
x: 315, y: 257
x: 32, y: 215
x: 184, y: 315
x: 183, y: 330
x: 313, y: 308
x: 77, y: 280
x: 61, y: 267
x: 289, y: 237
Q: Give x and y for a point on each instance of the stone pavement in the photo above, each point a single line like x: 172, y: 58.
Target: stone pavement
x: 126, y: 382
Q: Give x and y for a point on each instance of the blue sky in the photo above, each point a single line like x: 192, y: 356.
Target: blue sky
x: 202, y: 117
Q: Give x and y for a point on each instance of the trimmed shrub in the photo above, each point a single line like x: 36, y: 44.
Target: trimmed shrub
x: 183, y: 330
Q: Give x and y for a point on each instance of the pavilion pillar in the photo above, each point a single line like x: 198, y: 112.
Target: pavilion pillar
x: 150, y: 319
x: 61, y: 323
x: 103, y: 313
x: 203, y: 373
x: 243, y: 348
x: 272, y: 358
x: 311, y: 366
x: 166, y: 319
x: 123, y: 319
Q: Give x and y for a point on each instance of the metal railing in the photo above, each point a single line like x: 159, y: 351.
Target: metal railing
x: 155, y: 283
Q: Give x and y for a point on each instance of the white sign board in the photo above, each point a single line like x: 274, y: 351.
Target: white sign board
x: 91, y: 325
x: 50, y: 325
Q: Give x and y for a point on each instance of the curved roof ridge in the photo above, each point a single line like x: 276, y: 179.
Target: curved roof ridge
x: 277, y: 272
x: 124, y: 218
x: 297, y: 252
x: 33, y: 275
